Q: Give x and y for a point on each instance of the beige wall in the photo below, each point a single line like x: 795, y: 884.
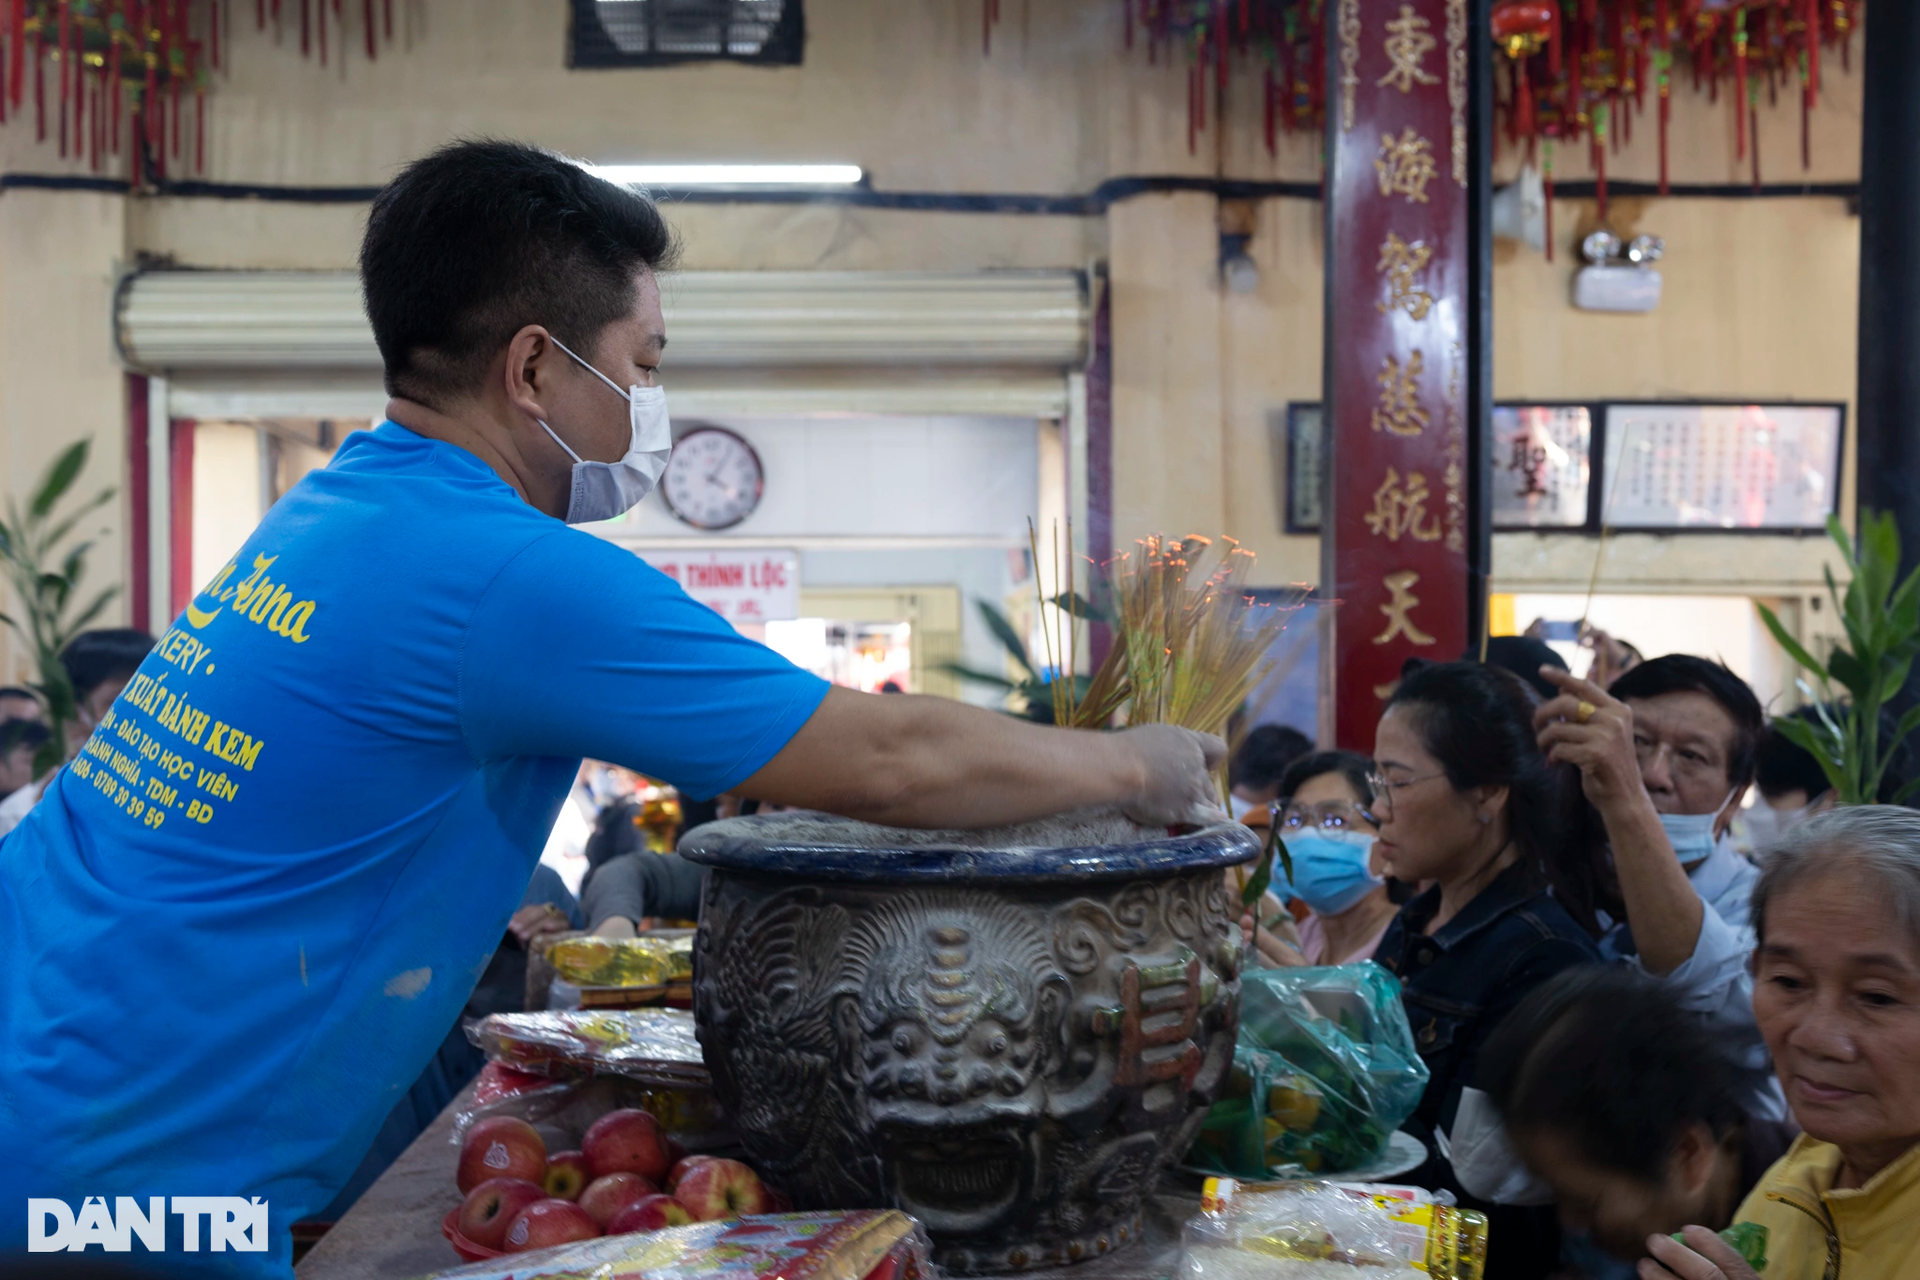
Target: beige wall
x: 1760, y: 294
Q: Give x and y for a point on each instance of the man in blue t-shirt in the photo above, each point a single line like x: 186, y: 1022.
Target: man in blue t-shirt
x: 242, y: 920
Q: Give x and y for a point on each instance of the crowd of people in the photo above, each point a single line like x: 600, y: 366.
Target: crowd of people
x: 1649, y: 1010
x: 1650, y: 1006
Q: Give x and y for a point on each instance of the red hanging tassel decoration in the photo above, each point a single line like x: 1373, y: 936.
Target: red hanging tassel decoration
x: 1812, y: 20
x: 1753, y: 112
x: 989, y: 14
x: 386, y: 18
x: 114, y: 88
x: 17, y: 55
x: 1267, y: 120
x: 372, y: 53
x: 39, y: 88
x: 199, y: 130
x: 1740, y: 83
x: 213, y: 33
x: 1193, y: 97
x: 1600, y: 159
x: 1546, y: 186
x: 65, y: 55
x: 321, y: 23
x: 259, y: 15
x: 1220, y: 42
x: 306, y: 32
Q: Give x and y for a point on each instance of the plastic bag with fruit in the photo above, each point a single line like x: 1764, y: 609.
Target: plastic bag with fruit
x: 873, y: 1244
x: 690, y: 1115
x: 1324, y: 1071
x: 1315, y: 1230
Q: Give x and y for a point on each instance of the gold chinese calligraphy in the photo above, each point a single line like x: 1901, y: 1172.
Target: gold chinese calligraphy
x: 1399, y: 411
x: 1400, y: 262
x: 1399, y: 607
x: 1400, y: 509
x: 1407, y: 45
x: 1405, y: 165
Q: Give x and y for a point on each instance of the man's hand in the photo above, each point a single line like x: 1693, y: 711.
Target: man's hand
x: 1704, y: 1256
x: 535, y: 921
x: 1177, y: 766
x: 1587, y: 728
x: 1600, y: 744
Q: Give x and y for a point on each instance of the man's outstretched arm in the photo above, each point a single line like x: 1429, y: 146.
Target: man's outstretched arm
x: 910, y: 761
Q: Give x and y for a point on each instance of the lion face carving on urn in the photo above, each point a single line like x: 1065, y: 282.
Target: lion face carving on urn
x: 1008, y: 1034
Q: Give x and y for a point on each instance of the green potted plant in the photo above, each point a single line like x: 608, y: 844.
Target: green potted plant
x: 45, y: 573
x: 1849, y: 731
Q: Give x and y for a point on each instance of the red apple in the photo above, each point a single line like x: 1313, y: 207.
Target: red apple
x: 681, y: 1168
x: 494, y: 1204
x: 649, y: 1214
x: 627, y: 1141
x: 548, y: 1222
x: 606, y: 1197
x: 566, y: 1175
x: 715, y: 1189
x: 501, y: 1147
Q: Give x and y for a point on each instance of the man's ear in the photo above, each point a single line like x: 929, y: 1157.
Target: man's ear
x: 526, y: 368
x: 1725, y: 819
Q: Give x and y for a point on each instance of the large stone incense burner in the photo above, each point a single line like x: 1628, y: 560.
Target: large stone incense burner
x: 1009, y: 1034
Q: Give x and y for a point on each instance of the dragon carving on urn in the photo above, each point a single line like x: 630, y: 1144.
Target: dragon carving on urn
x: 1014, y: 1063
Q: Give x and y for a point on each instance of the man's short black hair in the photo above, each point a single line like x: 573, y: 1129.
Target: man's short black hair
x: 1685, y: 673
x: 1781, y: 767
x: 478, y: 240
x: 22, y: 733
x: 1524, y: 656
x: 1265, y: 754
x: 1608, y: 1060
x: 92, y: 658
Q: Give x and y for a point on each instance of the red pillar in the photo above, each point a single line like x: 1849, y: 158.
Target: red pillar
x: 1403, y: 345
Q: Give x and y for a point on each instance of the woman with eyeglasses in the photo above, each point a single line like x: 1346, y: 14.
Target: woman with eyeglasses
x: 1466, y: 800
x: 1330, y: 837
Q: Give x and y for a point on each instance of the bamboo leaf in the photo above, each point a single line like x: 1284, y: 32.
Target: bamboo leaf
x: 1852, y: 674
x: 984, y: 677
x: 1009, y: 638
x: 51, y: 538
x: 1822, y: 749
x: 1078, y: 605
x: 1794, y: 648
x: 59, y: 478
x: 1907, y: 792
x: 92, y: 611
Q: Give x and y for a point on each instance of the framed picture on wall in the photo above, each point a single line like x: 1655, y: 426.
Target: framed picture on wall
x: 1722, y: 467
x: 1305, y: 459
x: 1542, y: 465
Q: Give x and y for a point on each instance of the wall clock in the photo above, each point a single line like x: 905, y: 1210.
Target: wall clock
x: 713, y: 480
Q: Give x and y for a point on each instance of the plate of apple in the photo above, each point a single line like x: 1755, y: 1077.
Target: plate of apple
x: 628, y: 1175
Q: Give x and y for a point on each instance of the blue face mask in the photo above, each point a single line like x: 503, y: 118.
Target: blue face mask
x: 1330, y: 868
x: 1690, y: 834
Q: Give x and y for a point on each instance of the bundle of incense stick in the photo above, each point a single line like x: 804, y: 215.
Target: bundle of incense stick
x: 1190, y: 641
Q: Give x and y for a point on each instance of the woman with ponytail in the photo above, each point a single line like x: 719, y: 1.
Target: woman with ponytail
x: 1517, y: 863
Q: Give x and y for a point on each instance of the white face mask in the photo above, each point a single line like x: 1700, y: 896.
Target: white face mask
x: 1766, y: 824
x: 603, y: 490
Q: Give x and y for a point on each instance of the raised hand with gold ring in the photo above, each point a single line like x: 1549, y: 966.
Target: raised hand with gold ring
x: 1586, y: 727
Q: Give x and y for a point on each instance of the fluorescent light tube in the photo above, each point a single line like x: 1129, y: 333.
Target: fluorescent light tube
x: 729, y: 175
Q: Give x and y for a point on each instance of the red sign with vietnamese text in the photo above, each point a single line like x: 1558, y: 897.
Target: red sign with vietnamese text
x: 1394, y: 534
x: 740, y: 586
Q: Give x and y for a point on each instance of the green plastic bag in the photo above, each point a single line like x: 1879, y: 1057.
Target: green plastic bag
x: 1323, y: 1072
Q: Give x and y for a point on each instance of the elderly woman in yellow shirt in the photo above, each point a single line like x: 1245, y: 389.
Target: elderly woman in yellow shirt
x: 1837, y: 997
